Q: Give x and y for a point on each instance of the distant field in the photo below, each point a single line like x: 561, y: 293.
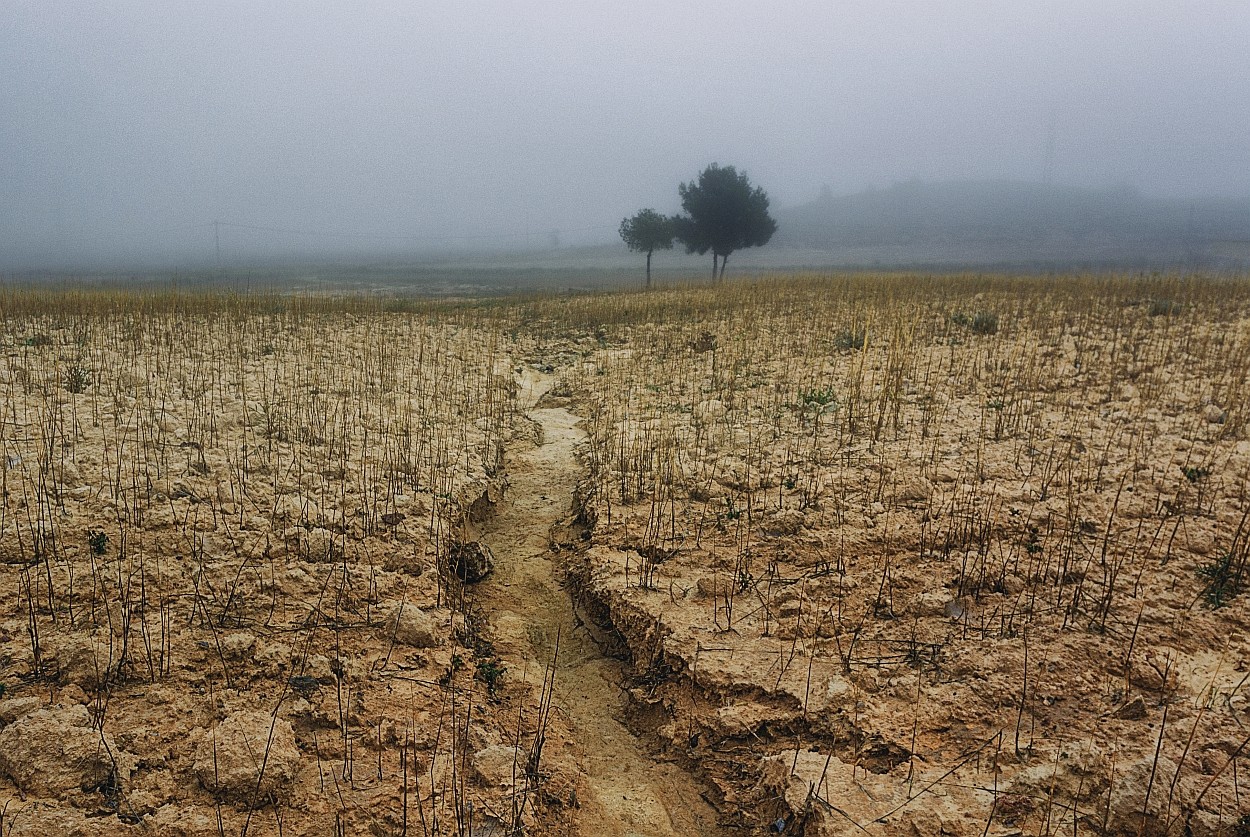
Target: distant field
x: 907, y: 228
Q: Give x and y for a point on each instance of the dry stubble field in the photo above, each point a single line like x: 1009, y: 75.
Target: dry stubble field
x: 882, y: 554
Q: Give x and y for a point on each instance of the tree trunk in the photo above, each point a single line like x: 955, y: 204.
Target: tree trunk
x: 648, y: 269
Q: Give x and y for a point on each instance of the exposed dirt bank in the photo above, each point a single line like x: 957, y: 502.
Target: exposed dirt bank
x: 625, y: 791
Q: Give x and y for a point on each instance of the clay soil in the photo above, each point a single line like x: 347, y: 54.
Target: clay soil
x: 826, y: 555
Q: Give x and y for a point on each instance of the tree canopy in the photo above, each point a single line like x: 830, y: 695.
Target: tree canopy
x: 646, y: 232
x: 724, y: 213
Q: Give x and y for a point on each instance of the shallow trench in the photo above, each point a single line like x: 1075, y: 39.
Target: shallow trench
x: 628, y: 793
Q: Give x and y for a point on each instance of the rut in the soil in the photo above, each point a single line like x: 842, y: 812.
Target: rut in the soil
x: 630, y: 793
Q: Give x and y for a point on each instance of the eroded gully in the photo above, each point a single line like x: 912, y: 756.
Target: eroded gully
x: 628, y: 794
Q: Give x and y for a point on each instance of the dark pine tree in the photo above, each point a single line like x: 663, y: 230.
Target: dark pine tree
x: 724, y: 213
x: 646, y: 232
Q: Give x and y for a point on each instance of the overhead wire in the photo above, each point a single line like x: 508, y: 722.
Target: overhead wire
x: 409, y: 238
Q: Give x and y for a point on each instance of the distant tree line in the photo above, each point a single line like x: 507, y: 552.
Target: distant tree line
x: 723, y: 213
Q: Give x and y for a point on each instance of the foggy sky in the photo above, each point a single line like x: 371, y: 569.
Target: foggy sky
x: 129, y: 126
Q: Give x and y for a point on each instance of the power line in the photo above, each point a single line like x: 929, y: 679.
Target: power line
x: 382, y: 237
x: 216, y: 226
x: 183, y: 228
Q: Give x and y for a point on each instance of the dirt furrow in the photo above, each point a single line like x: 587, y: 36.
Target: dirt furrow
x: 628, y: 793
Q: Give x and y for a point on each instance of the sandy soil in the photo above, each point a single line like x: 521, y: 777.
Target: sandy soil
x: 226, y: 547
x: 950, y: 583
x: 222, y: 548
x: 764, y: 562
x: 624, y: 792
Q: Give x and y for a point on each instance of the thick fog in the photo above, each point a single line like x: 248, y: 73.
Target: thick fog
x: 130, y: 127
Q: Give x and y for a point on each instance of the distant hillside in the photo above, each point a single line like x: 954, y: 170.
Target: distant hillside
x: 1002, y: 222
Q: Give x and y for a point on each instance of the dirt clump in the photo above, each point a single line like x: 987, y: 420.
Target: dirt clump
x: 415, y: 627
x: 52, y: 751
x: 499, y: 765
x: 249, y: 756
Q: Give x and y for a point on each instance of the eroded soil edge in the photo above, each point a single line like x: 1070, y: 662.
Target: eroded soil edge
x: 625, y: 791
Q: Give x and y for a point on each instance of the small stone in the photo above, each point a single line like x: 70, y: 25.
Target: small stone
x: 472, y: 561
x: 838, y: 688
x: 913, y: 490
x: 237, y: 645
x: 495, y: 766
x: 1148, y: 672
x: 930, y: 603
x: 710, y: 587
x: 1131, y: 810
x: 411, y: 625
x: 955, y: 608
x: 318, y: 545
x: 784, y: 522
x: 1133, y: 710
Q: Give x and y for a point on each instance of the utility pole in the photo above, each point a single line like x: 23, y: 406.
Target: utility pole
x: 1049, y: 156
